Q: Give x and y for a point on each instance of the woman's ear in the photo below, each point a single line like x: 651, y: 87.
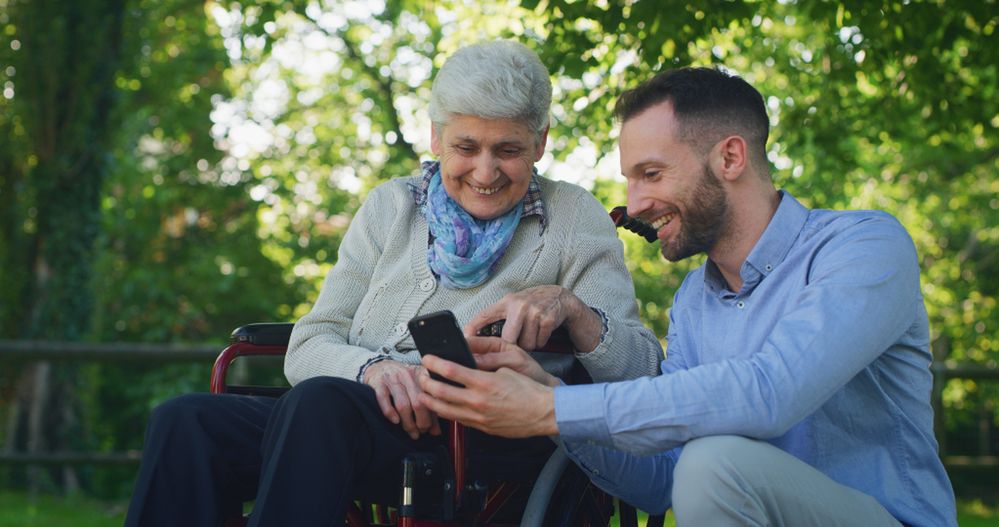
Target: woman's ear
x: 542, y: 142
x: 435, y: 139
x: 728, y: 157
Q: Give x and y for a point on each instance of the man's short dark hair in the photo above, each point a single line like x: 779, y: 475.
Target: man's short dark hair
x: 709, y: 105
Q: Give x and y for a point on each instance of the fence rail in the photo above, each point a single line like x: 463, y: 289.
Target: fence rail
x: 33, y: 351
x: 41, y: 350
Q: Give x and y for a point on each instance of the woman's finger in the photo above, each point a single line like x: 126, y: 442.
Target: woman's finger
x: 402, y: 404
x: 384, y: 399
x: 421, y: 416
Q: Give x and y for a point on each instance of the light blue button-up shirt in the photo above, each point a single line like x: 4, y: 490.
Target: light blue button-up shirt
x: 824, y: 353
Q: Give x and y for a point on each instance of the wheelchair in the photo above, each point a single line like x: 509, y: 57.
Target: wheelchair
x: 436, y: 490
x: 561, y: 495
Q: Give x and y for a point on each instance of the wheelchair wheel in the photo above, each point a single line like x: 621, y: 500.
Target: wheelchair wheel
x: 563, y: 496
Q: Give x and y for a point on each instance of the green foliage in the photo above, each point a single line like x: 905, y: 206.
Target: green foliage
x: 231, y: 143
x: 889, y: 105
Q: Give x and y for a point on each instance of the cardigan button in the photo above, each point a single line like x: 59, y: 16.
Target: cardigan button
x: 427, y: 284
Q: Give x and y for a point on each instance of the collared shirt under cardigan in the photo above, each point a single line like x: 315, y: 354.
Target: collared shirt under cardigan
x: 381, y: 280
x: 824, y: 353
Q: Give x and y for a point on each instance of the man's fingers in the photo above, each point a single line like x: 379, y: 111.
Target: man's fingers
x: 484, y: 345
x: 453, y: 412
x: 450, y: 370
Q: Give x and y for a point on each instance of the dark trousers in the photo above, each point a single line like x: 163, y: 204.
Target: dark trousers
x: 304, y: 457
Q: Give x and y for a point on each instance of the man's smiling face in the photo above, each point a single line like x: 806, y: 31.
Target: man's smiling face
x: 670, y: 185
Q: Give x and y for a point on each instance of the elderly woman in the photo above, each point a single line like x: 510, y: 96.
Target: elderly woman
x: 477, y: 232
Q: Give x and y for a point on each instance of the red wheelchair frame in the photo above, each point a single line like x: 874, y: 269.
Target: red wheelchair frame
x: 581, y: 496
x: 272, y: 339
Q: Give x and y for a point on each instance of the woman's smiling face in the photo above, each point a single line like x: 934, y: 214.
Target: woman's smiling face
x: 486, y: 164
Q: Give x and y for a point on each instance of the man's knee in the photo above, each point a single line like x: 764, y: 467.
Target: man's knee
x: 711, y: 457
x: 711, y: 472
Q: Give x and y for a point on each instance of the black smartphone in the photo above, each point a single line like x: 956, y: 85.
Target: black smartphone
x: 439, y: 334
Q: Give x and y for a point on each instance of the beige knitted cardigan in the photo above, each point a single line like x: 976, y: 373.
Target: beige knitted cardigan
x: 381, y: 280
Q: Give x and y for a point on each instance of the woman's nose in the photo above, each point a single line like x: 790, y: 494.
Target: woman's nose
x: 486, y: 169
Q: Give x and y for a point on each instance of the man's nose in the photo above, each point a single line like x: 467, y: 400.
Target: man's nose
x: 638, y: 202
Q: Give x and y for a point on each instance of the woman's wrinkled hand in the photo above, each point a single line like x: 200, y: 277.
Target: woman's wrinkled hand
x: 397, y: 390
x: 533, y: 314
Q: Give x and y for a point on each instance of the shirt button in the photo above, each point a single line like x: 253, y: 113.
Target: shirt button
x: 427, y: 284
x: 596, y: 472
x: 740, y: 304
x: 400, y: 328
x: 769, y: 267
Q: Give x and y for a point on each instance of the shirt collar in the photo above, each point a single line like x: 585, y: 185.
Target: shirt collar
x: 772, y: 247
x: 534, y: 205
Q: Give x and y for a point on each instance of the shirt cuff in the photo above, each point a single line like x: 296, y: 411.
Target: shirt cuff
x: 579, y: 413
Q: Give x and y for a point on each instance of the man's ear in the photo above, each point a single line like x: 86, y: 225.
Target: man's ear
x: 435, y: 139
x: 729, y: 158
x: 542, y: 143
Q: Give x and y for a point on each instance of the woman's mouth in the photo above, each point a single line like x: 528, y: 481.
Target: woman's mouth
x: 485, y: 191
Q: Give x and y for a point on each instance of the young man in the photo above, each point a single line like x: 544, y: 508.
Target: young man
x: 796, y: 385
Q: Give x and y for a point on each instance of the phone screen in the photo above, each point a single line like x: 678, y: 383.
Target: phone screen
x: 439, y: 334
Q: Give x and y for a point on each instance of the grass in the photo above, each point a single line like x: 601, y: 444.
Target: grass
x: 21, y: 510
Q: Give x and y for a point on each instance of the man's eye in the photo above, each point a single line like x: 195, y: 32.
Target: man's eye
x: 465, y: 149
x: 511, y: 152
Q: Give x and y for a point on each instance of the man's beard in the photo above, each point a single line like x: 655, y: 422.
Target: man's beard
x: 704, y: 220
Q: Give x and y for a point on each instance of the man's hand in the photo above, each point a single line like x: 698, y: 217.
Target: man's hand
x: 503, y: 403
x: 533, y: 314
x: 492, y: 354
x: 398, y: 393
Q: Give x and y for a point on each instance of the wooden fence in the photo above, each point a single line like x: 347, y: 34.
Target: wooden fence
x: 33, y: 351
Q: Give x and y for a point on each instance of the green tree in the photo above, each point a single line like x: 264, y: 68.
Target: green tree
x: 120, y: 221
x: 64, y: 60
x: 172, y: 169
x: 889, y: 105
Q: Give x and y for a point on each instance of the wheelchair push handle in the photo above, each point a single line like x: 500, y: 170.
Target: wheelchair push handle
x: 622, y: 220
x: 558, y: 342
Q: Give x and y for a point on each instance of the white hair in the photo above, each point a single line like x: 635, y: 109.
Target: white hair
x: 493, y: 80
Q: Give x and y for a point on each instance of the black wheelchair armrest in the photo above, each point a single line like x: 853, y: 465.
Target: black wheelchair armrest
x: 263, y: 334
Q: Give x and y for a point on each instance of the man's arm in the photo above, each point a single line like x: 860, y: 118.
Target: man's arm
x: 517, y: 403
x: 861, y: 296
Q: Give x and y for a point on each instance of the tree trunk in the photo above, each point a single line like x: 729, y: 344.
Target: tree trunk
x: 66, y: 67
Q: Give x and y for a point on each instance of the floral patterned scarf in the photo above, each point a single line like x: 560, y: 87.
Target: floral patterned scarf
x: 465, y: 250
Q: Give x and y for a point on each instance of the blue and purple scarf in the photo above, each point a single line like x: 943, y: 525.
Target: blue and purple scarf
x: 465, y: 250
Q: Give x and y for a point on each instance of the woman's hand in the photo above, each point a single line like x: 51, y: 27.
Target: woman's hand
x: 533, y: 314
x: 397, y: 390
